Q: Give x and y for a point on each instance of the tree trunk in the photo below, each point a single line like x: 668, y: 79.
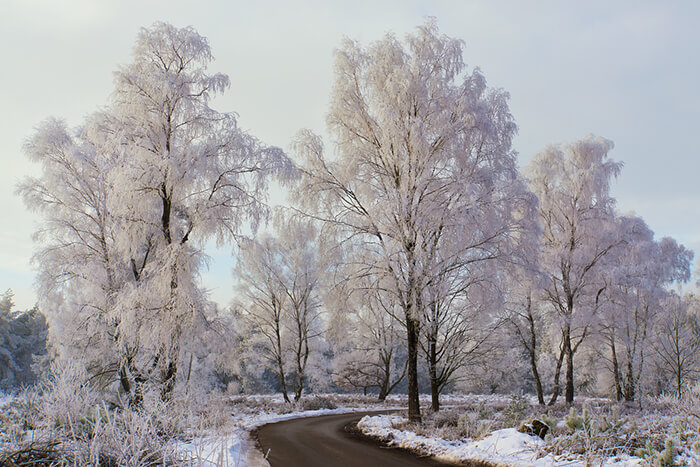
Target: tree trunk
x: 389, y: 385
x: 536, y: 375
x: 569, y: 366
x: 283, y: 382
x: 386, y: 379
x: 532, y: 350
x: 382, y: 392
x: 616, y: 370
x: 435, y: 395
x: 412, y: 330
x: 679, y: 373
x: 432, y: 370
x: 169, y: 378
x: 557, y: 375
x: 629, y: 380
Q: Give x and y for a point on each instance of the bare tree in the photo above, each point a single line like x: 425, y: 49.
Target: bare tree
x: 458, y: 323
x: 365, y: 326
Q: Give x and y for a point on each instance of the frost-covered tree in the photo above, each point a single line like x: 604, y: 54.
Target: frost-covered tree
x: 458, y: 325
x: 22, y: 339
x: 637, y: 288
x: 158, y: 173
x: 280, y: 279
x: 677, y: 343
x: 424, y: 164
x: 365, y: 327
x: 576, y: 213
x: 524, y: 316
x: 80, y: 271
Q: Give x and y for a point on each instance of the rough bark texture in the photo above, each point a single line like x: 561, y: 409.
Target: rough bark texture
x: 616, y: 369
x: 569, y: 366
x: 432, y: 371
x: 557, y: 376
x: 412, y: 334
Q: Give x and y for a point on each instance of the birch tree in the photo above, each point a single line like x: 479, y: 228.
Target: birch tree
x: 459, y: 321
x: 280, y: 280
x: 80, y: 272
x: 524, y: 316
x: 366, y: 329
x: 158, y: 173
x: 576, y: 212
x: 424, y: 158
x: 637, y: 290
x: 677, y: 344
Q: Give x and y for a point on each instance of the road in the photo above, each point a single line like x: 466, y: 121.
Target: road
x: 329, y: 441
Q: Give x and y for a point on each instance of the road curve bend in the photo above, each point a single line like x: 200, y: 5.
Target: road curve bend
x: 324, y: 441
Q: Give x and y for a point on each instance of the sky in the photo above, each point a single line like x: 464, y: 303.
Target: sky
x: 624, y: 70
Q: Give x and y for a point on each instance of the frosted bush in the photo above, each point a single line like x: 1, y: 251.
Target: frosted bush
x: 67, y: 398
x: 515, y: 411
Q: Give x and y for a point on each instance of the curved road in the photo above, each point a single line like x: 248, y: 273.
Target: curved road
x: 329, y: 441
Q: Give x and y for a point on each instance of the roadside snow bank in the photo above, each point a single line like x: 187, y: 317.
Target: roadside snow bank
x: 504, y: 446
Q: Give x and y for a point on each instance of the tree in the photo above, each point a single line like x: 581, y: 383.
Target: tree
x: 280, y: 278
x: 166, y: 174
x: 369, y: 350
x: 524, y: 317
x: 576, y: 214
x: 424, y: 164
x: 80, y: 271
x: 458, y: 324
x: 677, y: 343
x: 637, y: 288
x: 22, y: 339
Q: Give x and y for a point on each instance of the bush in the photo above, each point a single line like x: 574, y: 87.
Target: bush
x: 515, y: 411
x: 317, y: 403
x: 470, y: 426
x: 573, y: 421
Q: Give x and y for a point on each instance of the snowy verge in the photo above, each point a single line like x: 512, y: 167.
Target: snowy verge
x: 507, y: 446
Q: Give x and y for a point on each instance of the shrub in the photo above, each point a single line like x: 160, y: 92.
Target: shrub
x: 317, y: 403
x: 515, y: 411
x: 573, y: 421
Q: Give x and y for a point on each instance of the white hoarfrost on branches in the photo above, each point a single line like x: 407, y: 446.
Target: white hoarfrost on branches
x: 129, y: 200
x: 636, y: 292
x: 369, y: 351
x: 280, y: 279
x: 425, y: 180
x: 576, y: 213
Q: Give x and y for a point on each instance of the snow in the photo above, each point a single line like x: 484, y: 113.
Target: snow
x: 507, y: 446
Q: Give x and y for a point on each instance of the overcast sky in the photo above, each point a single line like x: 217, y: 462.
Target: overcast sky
x: 625, y: 70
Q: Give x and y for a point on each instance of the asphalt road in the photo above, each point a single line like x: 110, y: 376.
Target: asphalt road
x: 329, y: 441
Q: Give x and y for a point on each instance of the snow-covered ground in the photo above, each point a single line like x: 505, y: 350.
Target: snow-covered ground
x: 506, y: 446
x: 217, y: 430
